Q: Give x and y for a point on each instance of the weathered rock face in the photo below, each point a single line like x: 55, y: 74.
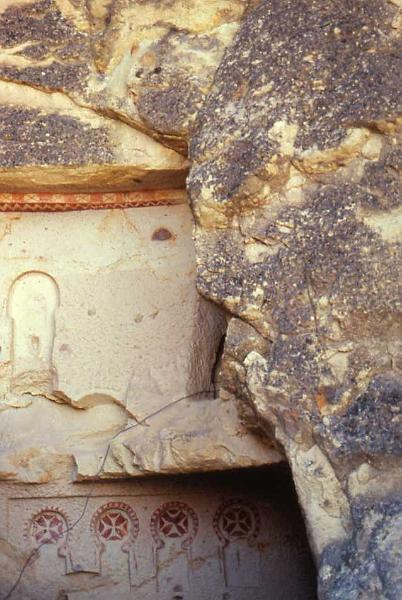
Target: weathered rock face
x: 295, y: 187
x: 292, y: 112
x: 48, y: 143
x: 146, y: 63
x: 83, y: 83
x: 107, y: 363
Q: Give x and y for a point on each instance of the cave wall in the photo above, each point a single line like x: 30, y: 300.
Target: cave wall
x: 191, y: 538
x: 288, y: 115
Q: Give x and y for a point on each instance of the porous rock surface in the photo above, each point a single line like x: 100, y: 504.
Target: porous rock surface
x: 85, y: 86
x: 295, y: 187
x: 292, y: 112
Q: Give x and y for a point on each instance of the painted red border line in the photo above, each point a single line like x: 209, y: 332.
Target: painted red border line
x: 52, y: 202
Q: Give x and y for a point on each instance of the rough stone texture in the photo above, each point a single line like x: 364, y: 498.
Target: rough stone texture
x: 156, y: 71
x: 48, y: 143
x: 368, y: 565
x: 144, y: 62
x: 295, y: 151
x: 295, y: 187
x: 176, y: 77
x: 43, y: 45
x: 194, y: 436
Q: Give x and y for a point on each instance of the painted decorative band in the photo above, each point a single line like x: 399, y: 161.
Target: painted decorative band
x: 51, y: 202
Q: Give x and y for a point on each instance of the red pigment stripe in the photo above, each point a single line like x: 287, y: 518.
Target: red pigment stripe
x: 74, y: 206
x: 53, y: 202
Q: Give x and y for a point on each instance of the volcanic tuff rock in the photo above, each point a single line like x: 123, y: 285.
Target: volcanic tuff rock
x: 292, y: 113
x: 48, y: 143
x: 145, y: 63
x: 295, y: 187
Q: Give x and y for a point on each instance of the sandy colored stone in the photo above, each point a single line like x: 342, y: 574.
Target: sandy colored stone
x: 90, y: 331
x: 192, y: 436
x: 115, y: 336
x: 292, y: 111
x: 105, y: 319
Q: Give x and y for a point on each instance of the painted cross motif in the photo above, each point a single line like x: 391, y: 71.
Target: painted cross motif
x: 237, y: 525
x: 116, y: 528
x: 236, y: 520
x: 48, y: 527
x: 115, y: 521
x: 113, y: 526
x: 174, y: 520
x: 173, y: 523
x: 174, y: 526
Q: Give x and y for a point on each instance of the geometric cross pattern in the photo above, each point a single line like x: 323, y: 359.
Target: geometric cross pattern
x: 237, y: 520
x: 174, y: 520
x: 48, y: 526
x: 115, y: 521
x: 234, y: 520
x: 113, y: 525
x: 173, y: 523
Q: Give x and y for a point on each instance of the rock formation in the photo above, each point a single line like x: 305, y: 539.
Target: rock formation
x: 295, y: 187
x: 288, y: 115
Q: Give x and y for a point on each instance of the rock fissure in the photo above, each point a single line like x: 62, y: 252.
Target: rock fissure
x: 291, y: 114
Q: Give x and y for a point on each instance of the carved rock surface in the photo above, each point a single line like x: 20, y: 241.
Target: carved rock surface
x: 292, y: 112
x: 200, y: 434
x: 196, y: 538
x: 296, y: 190
x: 102, y: 329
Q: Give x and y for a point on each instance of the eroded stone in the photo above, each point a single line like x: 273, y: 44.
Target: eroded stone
x: 147, y: 63
x: 48, y: 143
x: 295, y: 188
